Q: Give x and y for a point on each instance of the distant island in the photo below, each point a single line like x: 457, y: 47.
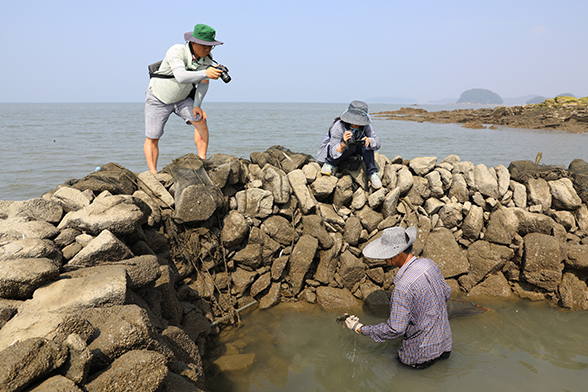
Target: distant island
x: 480, y: 96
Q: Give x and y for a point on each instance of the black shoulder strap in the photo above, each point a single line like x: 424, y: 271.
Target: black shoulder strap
x: 153, y: 68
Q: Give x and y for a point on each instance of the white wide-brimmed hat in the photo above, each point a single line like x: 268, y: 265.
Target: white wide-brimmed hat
x: 394, y: 240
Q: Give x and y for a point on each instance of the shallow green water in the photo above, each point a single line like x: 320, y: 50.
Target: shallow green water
x: 516, y: 346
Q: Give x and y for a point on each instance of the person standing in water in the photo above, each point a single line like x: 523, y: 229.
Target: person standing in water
x: 350, y: 139
x: 184, y: 66
x: 418, y: 310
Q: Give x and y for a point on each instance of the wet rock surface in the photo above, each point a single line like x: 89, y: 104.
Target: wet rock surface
x: 122, y: 273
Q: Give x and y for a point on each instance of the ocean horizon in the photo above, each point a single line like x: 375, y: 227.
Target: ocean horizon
x: 48, y: 144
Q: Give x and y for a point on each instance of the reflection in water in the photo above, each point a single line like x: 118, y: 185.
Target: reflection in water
x: 515, y: 346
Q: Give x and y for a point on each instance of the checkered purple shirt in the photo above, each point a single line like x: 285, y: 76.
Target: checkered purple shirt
x: 418, y: 311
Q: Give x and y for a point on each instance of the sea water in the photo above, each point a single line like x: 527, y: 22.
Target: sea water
x: 44, y: 145
x: 518, y: 346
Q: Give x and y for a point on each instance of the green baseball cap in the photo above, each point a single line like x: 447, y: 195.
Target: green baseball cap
x: 203, y: 35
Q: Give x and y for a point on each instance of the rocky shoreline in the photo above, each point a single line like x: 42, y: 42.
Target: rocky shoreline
x: 119, y: 281
x: 561, y: 113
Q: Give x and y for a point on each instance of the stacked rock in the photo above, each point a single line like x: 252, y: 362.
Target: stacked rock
x: 120, y: 274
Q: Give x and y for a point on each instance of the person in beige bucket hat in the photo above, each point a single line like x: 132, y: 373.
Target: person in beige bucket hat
x: 418, y: 310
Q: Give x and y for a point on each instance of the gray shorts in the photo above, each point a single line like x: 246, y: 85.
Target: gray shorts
x: 157, y: 113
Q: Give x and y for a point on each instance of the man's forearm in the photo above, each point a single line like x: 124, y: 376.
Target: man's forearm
x: 201, y: 90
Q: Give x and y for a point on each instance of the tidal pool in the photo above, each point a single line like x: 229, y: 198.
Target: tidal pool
x: 515, y: 346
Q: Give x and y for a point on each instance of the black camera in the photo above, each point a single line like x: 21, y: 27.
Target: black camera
x: 225, y: 75
x: 356, y: 136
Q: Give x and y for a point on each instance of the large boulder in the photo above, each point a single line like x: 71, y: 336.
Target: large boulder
x: 112, y: 178
x: 104, y: 248
x: 235, y: 229
x: 539, y: 193
x: 19, y: 278
x: 255, y: 202
x: 486, y: 183
x: 422, y: 165
x: 306, y: 201
x: 503, y: 226
x: 155, y: 189
x: 543, y: 261
x: 564, y: 195
x: 473, y: 223
x: 485, y: 258
x: 323, y: 186
x: 32, y: 248
x: 313, y: 225
x: 300, y: 261
x: 495, y: 285
x: 459, y: 188
x: 328, y: 260
x: 138, y: 370
x: 54, y: 326
x: 223, y: 169
x: 20, y: 228
x: 351, y: 270
x: 57, y: 383
x: 70, y: 199
x: 276, y: 181
x: 119, y: 329
x: 331, y: 298
x: 81, y: 289
x: 573, y: 292
x: 280, y: 230
x: 577, y: 257
x: 272, y: 297
x: 38, y: 209
x: 343, y: 191
x: 120, y: 214
x: 442, y: 248
x: 26, y: 362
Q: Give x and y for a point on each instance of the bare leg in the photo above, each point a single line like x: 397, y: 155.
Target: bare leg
x: 151, y: 149
x: 201, y: 137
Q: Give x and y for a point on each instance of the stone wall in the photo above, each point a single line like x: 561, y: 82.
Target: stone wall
x: 122, y: 273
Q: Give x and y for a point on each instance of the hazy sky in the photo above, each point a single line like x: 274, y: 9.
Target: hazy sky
x: 297, y: 51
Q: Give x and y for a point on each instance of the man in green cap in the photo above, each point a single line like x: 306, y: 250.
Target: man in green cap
x: 185, y: 67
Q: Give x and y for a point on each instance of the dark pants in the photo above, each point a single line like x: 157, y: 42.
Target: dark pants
x: 425, y: 365
x: 358, y: 149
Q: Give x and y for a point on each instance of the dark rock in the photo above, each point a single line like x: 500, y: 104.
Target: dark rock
x: 112, y: 178
x: 260, y: 284
x: 542, y: 265
x: 328, y: 261
x: 485, y: 259
x: 313, y: 225
x: 278, y: 268
x: 573, y: 292
x: 369, y: 218
x: 137, y: 370
x: 279, y: 229
x: 351, y: 270
x: 272, y: 298
x: 249, y: 257
x: 353, y: 228
x: 442, y: 248
x: 27, y: 361
x: 343, y: 191
x: 300, y: 261
x: 331, y: 298
x: 19, y: 278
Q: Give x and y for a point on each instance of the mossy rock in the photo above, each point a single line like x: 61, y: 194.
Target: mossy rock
x: 566, y: 100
